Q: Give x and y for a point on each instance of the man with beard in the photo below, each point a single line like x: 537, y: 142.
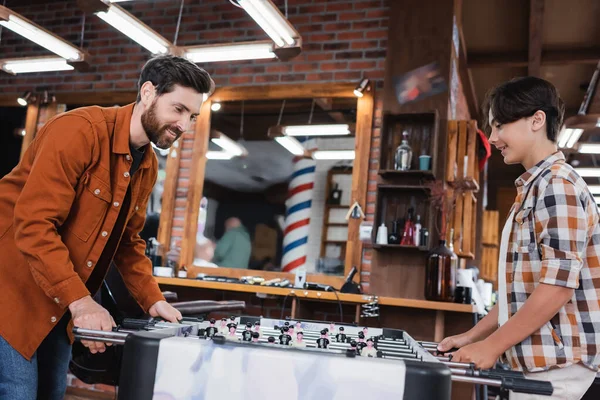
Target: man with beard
x: 75, y: 203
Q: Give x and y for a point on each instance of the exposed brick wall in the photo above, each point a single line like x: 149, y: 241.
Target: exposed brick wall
x: 342, y: 41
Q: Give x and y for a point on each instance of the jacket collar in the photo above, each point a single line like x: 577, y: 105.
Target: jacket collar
x: 122, y: 133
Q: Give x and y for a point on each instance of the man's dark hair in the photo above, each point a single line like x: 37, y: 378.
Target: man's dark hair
x: 167, y: 71
x: 521, y: 98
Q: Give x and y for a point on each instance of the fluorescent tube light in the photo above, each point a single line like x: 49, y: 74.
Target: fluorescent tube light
x: 38, y: 35
x: 230, y: 52
x: 589, y: 148
x: 229, y: 146
x: 316, y: 130
x: 291, y: 144
x: 333, y: 155
x: 270, y: 19
x: 40, y: 64
x: 588, y: 172
x: 594, y: 189
x: 219, y: 155
x: 134, y: 29
x: 568, y: 137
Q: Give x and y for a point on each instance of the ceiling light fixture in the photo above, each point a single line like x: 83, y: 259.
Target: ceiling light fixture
x: 272, y: 21
x: 25, y: 98
x: 39, y: 35
x: 594, y: 189
x: 219, y: 155
x: 127, y: 24
x: 34, y: 64
x: 589, y: 148
x: 333, y: 155
x: 316, y: 130
x: 568, y: 137
x: 231, y: 147
x: 230, y: 52
x: 588, y: 172
x: 215, y: 106
x: 291, y: 144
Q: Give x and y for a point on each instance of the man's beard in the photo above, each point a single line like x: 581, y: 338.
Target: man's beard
x: 157, y: 133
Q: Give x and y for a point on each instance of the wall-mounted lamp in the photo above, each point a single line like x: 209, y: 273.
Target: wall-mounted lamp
x: 25, y: 98
x: 362, y: 86
x: 215, y: 106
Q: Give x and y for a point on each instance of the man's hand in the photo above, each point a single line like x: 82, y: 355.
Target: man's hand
x: 482, y: 354
x: 165, y: 311
x: 456, y: 342
x: 88, y: 314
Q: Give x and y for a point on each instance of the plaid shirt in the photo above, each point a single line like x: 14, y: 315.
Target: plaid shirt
x: 555, y: 240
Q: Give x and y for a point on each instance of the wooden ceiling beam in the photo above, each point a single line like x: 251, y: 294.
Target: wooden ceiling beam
x: 477, y: 59
x: 536, y: 22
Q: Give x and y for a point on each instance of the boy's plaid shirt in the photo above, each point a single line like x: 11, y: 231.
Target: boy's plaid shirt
x: 555, y: 240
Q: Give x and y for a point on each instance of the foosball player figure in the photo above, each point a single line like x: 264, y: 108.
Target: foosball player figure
x: 341, y: 336
x: 247, y: 334
x: 298, y: 326
x: 361, y: 342
x: 353, y: 347
x: 369, y: 350
x: 231, y: 335
x: 257, y: 327
x: 366, y: 331
x: 285, y: 338
x: 271, y: 340
x: 232, y: 320
x: 211, y: 330
x: 255, y: 337
x: 331, y: 327
x: 323, y: 342
x: 299, y: 342
x: 223, y: 327
x: 291, y: 332
x: 326, y: 332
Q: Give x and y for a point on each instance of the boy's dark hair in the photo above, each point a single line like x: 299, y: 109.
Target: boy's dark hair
x: 167, y: 71
x: 521, y: 98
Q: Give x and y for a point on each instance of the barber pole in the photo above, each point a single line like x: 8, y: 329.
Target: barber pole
x: 298, y: 207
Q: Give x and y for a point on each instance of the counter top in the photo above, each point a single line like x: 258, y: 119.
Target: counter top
x: 317, y: 295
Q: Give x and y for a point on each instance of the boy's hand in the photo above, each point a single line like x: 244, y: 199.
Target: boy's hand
x: 482, y: 354
x: 454, y: 342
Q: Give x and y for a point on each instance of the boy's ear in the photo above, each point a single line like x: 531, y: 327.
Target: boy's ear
x: 538, y: 120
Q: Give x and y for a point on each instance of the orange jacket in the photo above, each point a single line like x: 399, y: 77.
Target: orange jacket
x: 57, y: 211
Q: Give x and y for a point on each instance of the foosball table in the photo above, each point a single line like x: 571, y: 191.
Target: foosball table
x: 261, y: 358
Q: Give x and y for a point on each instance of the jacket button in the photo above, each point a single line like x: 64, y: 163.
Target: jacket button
x: 116, y: 204
x: 56, y: 300
x: 97, y: 192
x: 53, y: 319
x: 128, y: 157
x: 136, y: 208
x: 89, y: 264
x: 104, y: 233
x: 126, y: 174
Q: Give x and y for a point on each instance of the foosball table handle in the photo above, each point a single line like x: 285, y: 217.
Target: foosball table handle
x: 529, y: 386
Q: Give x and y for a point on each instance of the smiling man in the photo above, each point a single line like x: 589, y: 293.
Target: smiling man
x: 75, y: 203
x: 547, y: 320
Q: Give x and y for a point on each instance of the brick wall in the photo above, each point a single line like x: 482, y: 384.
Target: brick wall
x: 342, y: 41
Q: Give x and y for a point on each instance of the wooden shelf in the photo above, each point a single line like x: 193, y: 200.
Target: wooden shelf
x: 400, y: 246
x: 337, y: 224
x: 392, y: 173
x: 337, y: 206
x: 335, y: 241
x: 391, y: 186
x: 318, y: 295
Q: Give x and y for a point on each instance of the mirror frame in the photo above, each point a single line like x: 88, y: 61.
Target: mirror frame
x: 360, y: 175
x: 34, y: 109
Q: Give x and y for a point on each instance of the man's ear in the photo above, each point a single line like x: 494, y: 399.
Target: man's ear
x: 538, y: 120
x: 147, y: 93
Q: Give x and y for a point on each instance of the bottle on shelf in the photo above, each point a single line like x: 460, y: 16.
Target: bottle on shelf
x: 418, y: 231
x: 393, y: 236
x: 424, y: 241
x: 382, y: 235
x: 408, y: 236
x: 335, y: 197
x: 440, y: 272
x: 404, y: 153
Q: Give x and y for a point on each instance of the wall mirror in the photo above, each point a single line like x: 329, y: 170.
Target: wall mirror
x: 277, y: 169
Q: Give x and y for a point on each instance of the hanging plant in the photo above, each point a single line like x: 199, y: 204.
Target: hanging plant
x: 443, y: 202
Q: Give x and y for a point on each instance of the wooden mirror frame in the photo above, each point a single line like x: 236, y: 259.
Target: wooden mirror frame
x: 360, y: 175
x: 119, y: 97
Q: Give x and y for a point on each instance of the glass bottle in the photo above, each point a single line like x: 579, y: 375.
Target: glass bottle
x: 393, y: 236
x: 440, y: 272
x: 408, y: 236
x: 403, y: 158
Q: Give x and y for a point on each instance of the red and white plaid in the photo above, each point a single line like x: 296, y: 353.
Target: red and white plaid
x: 555, y: 240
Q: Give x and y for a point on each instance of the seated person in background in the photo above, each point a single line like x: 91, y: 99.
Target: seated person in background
x: 204, y: 252
x: 234, y: 248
